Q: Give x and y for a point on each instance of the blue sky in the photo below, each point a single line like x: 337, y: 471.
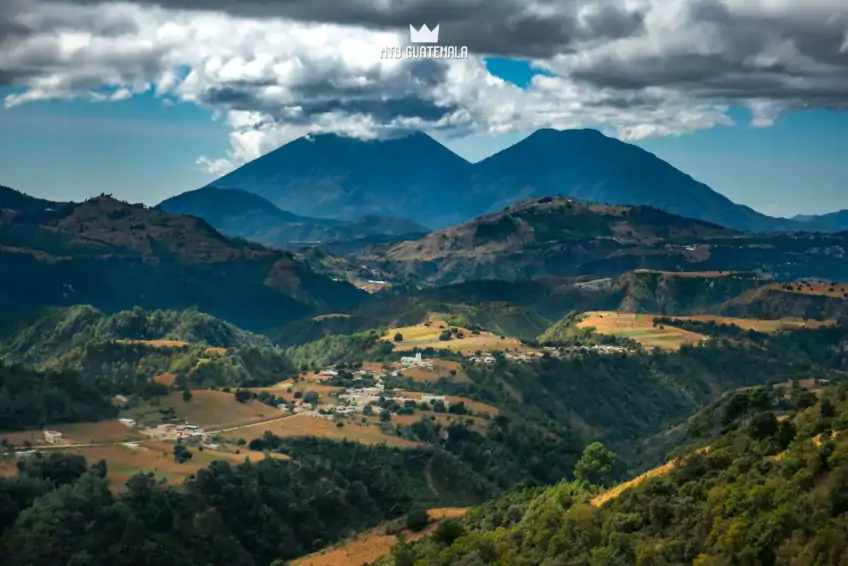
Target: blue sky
x: 144, y: 150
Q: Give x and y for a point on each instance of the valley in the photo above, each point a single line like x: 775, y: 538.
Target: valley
x: 352, y: 389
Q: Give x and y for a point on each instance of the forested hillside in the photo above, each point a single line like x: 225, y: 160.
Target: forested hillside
x: 115, y: 256
x: 769, y: 492
x: 31, y: 399
x: 122, y: 353
x: 59, y: 512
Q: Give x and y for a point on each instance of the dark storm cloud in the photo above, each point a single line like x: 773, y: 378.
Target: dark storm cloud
x: 785, y: 56
x: 323, y: 95
x: 519, y: 28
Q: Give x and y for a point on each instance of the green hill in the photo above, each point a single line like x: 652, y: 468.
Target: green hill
x: 123, y: 352
x: 769, y: 492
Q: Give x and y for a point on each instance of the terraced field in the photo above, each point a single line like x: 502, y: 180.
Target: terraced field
x: 639, y: 327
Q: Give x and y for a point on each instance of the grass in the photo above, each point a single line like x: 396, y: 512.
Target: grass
x: 427, y: 336
x: 367, y: 547
x: 78, y: 433
x: 639, y: 327
x: 208, y: 408
x: 157, y: 458
x: 305, y: 425
x: 614, y: 492
x: 441, y: 368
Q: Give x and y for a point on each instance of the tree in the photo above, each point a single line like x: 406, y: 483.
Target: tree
x: 448, y: 531
x: 243, y: 395
x: 385, y: 416
x: 181, y: 453
x: 596, y: 465
x: 417, y: 519
x: 398, y: 337
x: 445, y: 335
x: 186, y: 395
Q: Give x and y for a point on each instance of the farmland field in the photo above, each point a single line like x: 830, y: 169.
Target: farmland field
x: 427, y: 336
x: 639, y: 327
x: 305, y: 425
x: 208, y: 408
x: 369, y: 546
x: 442, y: 368
x: 125, y: 461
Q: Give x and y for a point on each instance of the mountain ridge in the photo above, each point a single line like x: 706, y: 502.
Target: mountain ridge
x: 114, y: 256
x: 237, y: 212
x: 564, y: 237
x: 413, y: 177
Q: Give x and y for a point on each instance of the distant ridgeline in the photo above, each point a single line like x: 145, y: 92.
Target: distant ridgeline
x: 115, y: 256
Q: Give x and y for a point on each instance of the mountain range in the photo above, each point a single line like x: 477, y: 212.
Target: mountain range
x: 564, y: 237
x: 415, y: 177
x: 116, y: 256
x: 236, y: 212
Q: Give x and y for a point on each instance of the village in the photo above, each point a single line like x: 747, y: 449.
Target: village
x: 372, y: 397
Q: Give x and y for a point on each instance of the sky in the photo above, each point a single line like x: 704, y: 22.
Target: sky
x: 146, y: 99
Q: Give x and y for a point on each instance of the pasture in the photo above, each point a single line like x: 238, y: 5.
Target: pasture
x: 125, y: 460
x: 207, y: 408
x: 441, y: 368
x: 305, y: 425
x: 426, y: 335
x: 640, y: 328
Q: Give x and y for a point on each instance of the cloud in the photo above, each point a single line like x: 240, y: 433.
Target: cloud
x: 531, y: 28
x: 276, y: 70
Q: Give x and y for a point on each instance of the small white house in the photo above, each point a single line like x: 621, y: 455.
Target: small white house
x: 52, y: 436
x: 127, y: 422
x: 329, y: 372
x: 412, y: 360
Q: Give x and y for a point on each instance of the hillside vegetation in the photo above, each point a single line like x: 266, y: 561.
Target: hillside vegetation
x: 115, y: 256
x: 122, y: 353
x: 561, y: 237
x: 61, y: 512
x: 770, y: 492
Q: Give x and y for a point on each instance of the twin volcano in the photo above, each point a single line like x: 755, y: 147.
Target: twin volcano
x: 415, y: 177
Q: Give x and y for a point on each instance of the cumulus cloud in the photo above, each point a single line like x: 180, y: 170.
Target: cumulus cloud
x: 275, y: 70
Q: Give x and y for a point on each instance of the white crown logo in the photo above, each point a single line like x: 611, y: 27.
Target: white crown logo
x: 424, y: 35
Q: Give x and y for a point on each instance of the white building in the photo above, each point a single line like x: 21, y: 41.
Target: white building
x: 412, y: 360
x: 128, y: 422
x: 52, y: 436
x: 329, y: 372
